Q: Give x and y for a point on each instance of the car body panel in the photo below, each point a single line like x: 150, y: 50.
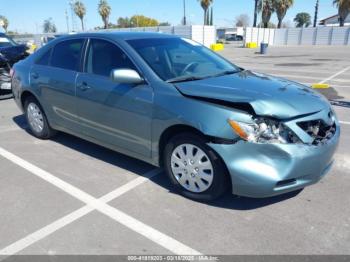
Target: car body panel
x: 132, y: 119
x: 263, y: 92
x: 127, y: 112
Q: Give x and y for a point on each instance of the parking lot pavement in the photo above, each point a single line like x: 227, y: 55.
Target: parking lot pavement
x: 307, y: 64
x: 68, y: 196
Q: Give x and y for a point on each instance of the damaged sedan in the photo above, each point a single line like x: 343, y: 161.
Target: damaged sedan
x: 10, y: 53
x: 174, y: 103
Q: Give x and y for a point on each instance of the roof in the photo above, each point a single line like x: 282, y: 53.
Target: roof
x: 124, y: 35
x: 333, y: 19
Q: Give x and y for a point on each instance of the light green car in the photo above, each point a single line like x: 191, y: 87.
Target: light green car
x: 173, y: 103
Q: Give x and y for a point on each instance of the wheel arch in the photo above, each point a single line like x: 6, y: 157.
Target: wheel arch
x: 24, y: 95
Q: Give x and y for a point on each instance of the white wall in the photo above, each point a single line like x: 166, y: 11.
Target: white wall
x: 205, y: 35
x: 299, y: 36
x: 202, y: 34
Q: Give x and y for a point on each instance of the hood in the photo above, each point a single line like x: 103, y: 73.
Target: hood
x: 267, y: 95
x: 14, y: 53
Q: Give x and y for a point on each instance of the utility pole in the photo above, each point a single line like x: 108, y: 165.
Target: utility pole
x: 67, y: 20
x: 255, y: 13
x: 316, y: 13
x: 184, y: 20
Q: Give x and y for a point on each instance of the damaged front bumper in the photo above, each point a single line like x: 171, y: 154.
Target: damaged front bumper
x: 264, y: 170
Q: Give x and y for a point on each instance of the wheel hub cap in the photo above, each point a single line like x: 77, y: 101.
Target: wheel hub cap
x: 192, y: 168
x: 35, y: 118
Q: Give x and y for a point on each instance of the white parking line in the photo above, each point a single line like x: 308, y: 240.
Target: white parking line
x: 335, y: 75
x: 344, y: 122
x: 70, y: 218
x: 152, y: 234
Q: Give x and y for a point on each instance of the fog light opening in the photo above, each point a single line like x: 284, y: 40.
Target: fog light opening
x: 287, y: 182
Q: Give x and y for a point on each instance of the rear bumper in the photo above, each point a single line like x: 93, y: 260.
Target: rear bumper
x: 264, y: 170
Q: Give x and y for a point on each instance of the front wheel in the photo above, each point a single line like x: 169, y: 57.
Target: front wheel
x: 194, y: 168
x: 37, y: 120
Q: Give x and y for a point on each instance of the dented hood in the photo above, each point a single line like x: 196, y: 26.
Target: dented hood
x: 269, y: 96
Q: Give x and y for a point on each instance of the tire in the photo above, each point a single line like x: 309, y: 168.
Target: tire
x: 202, y: 183
x: 39, y: 128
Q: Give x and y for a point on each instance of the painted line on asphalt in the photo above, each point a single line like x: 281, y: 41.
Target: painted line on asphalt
x: 335, y: 75
x: 344, y: 122
x: 70, y: 218
x: 135, y: 225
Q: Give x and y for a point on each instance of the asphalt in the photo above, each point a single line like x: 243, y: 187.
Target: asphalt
x: 52, y: 193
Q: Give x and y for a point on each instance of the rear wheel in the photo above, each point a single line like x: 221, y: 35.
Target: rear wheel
x: 194, y: 168
x: 37, y: 120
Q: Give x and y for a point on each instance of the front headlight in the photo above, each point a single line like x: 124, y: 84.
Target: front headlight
x: 264, y: 130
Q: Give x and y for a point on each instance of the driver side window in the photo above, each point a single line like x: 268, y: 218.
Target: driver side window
x: 104, y: 56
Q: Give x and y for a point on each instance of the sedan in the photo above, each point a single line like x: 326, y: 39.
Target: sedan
x: 171, y: 102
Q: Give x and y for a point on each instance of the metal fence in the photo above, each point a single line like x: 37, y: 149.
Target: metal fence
x: 299, y: 36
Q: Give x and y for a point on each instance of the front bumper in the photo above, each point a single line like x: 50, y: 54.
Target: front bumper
x: 264, y: 170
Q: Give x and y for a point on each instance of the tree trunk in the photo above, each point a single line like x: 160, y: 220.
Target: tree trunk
x: 205, y: 17
x: 341, y: 21
x: 279, y: 23
x: 82, y: 24
x: 255, y: 13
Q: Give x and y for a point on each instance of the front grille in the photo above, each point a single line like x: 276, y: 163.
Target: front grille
x: 320, y: 131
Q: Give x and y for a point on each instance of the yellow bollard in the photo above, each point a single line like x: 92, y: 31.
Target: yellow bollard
x: 217, y: 47
x: 320, y: 86
x: 252, y: 45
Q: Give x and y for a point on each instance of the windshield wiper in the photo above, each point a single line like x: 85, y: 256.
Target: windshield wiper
x: 184, y: 79
x: 227, y: 72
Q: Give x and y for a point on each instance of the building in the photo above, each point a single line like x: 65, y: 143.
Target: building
x: 334, y: 21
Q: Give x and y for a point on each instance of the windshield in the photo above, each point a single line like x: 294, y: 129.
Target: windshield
x: 6, y: 41
x: 179, y: 59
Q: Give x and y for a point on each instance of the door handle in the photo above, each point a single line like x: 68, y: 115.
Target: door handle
x: 34, y: 75
x: 84, y: 86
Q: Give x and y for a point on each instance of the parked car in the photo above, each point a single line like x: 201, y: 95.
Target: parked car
x: 10, y: 53
x: 233, y: 37
x: 174, y: 103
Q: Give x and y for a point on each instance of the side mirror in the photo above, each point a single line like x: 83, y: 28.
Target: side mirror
x: 126, y: 76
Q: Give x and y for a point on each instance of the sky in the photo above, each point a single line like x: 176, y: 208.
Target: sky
x: 28, y: 16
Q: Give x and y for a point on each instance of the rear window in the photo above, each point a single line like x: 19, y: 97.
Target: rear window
x: 66, y: 55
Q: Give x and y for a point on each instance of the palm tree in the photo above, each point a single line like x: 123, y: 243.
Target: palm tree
x: 5, y: 22
x: 104, y: 10
x: 302, y: 19
x: 281, y: 7
x: 80, y: 11
x: 49, y: 26
x: 205, y: 4
x: 266, y: 8
x: 343, y: 10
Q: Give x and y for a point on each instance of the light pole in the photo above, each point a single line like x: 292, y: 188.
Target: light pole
x: 316, y: 13
x: 184, y: 20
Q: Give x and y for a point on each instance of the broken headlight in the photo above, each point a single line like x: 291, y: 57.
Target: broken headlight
x: 264, y: 130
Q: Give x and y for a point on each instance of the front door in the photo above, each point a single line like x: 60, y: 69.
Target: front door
x: 115, y: 114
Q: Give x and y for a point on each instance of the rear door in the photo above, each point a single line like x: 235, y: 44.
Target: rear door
x: 54, y: 74
x: 116, y: 114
